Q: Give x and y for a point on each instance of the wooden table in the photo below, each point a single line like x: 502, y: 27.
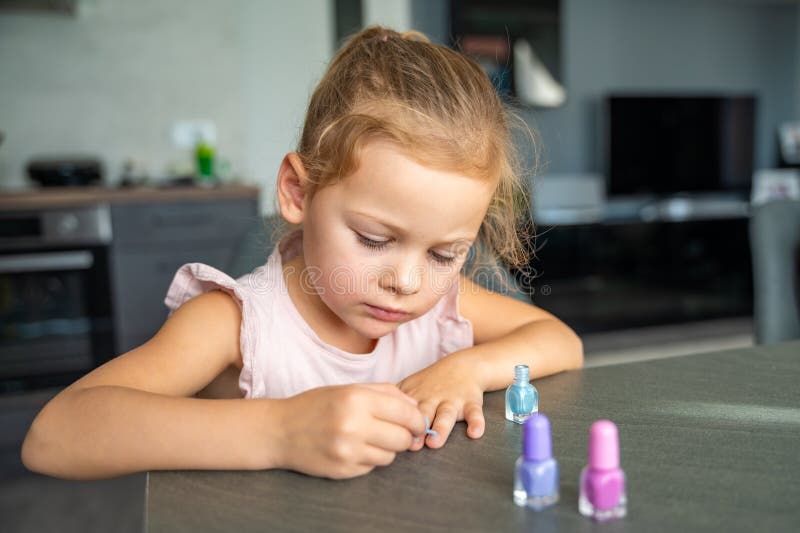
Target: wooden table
x: 710, y: 442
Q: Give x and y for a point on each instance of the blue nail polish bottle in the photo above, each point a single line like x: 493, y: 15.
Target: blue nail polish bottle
x: 522, y: 398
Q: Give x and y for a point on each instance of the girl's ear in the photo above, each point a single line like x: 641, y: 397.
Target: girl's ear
x: 292, y: 181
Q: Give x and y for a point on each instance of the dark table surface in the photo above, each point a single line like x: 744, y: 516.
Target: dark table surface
x: 709, y: 442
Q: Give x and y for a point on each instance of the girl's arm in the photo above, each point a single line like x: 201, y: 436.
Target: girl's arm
x: 135, y: 413
x: 507, y: 332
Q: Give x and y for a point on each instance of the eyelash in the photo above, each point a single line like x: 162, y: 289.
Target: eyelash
x: 380, y: 245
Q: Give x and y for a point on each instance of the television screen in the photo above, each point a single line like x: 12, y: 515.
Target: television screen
x: 677, y: 144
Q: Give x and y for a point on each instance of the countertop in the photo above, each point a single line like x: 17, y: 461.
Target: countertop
x: 709, y: 442
x: 58, y: 197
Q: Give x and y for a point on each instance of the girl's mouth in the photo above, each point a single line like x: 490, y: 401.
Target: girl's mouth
x: 387, y: 315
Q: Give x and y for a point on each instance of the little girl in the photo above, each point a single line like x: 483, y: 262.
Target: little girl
x: 360, y: 328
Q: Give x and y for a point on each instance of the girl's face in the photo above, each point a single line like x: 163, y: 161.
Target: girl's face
x: 385, y: 244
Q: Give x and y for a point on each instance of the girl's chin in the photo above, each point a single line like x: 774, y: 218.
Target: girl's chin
x: 372, y: 328
x: 367, y: 326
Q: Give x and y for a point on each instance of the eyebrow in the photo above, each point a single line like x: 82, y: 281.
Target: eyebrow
x: 401, y: 231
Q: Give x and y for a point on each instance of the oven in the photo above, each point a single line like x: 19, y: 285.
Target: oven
x: 55, y: 299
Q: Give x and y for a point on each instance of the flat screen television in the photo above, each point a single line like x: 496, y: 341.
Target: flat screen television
x: 667, y: 145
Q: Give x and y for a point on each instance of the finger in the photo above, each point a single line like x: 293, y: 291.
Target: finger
x: 395, y: 410
x: 418, y: 442
x: 390, y: 388
x: 374, y: 456
x: 387, y: 436
x: 473, y: 415
x: 446, y: 416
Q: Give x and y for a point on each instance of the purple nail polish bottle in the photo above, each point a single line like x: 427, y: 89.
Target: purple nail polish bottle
x: 602, y: 484
x: 536, y: 472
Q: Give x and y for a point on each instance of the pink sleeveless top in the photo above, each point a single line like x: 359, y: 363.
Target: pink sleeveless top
x: 281, y: 354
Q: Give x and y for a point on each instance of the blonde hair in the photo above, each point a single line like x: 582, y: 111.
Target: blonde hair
x: 439, y: 107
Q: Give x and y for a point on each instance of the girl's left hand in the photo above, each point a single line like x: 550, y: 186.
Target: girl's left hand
x: 447, y: 391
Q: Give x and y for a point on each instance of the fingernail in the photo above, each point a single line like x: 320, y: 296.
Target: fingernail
x: 428, y: 430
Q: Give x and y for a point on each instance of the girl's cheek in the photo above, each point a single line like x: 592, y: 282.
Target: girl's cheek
x: 442, y: 281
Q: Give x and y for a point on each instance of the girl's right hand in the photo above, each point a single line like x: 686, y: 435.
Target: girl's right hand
x: 346, y: 431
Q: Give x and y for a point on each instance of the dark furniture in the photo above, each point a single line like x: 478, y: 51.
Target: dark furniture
x: 708, y: 442
x: 644, y: 262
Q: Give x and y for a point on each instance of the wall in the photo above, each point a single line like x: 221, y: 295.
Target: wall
x: 111, y: 80
x: 395, y: 14
x: 680, y: 46
x: 797, y: 68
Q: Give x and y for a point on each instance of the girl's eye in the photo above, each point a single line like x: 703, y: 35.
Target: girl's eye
x: 378, y: 245
x: 443, y: 259
x: 371, y: 243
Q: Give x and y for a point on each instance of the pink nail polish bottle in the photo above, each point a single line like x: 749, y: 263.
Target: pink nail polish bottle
x: 602, y: 483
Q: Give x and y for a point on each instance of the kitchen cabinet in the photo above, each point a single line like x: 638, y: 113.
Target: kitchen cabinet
x: 152, y: 241
x: 85, y: 270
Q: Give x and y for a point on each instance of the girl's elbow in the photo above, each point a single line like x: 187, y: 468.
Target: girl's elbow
x: 578, y: 352
x: 569, y: 346
x: 31, y: 455
x: 575, y: 348
x: 40, y: 458
x: 38, y: 452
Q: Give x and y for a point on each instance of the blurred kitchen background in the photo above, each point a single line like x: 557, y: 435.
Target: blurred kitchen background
x: 138, y: 136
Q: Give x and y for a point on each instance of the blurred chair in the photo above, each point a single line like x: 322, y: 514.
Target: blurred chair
x: 775, y: 241
x: 256, y: 245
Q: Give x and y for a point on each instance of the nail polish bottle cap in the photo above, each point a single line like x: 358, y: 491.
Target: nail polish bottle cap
x: 537, y: 445
x: 522, y: 374
x: 603, y: 445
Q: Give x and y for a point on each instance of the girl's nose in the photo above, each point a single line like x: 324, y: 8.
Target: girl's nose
x: 403, y: 278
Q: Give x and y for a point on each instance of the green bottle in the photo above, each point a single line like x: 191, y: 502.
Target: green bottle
x: 204, y: 157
